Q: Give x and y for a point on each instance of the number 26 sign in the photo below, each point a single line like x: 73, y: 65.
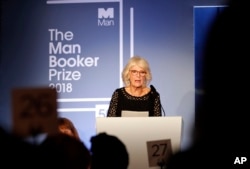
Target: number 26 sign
x: 34, y: 111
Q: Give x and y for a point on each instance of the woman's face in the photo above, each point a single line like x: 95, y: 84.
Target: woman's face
x: 66, y: 130
x: 137, y: 76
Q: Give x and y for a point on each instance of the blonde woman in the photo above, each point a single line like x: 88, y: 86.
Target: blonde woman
x: 135, y: 95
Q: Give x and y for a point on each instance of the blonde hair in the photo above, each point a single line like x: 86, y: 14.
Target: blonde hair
x: 136, y: 61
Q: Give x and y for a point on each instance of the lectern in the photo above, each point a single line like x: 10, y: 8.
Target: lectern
x: 135, y: 132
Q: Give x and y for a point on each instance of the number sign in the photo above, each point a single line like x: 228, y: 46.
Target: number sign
x: 34, y: 111
x: 158, y: 152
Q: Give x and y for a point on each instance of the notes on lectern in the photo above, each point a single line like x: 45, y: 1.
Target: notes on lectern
x: 158, y: 152
x: 34, y: 111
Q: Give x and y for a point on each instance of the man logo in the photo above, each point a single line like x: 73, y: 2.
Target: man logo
x: 106, y: 17
x: 102, y: 13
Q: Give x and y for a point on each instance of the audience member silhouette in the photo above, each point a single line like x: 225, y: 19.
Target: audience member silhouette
x: 221, y: 130
x: 14, y: 149
x: 64, y: 151
x: 108, y: 151
x: 56, y: 151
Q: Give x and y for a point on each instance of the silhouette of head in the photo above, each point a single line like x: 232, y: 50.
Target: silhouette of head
x: 108, y: 152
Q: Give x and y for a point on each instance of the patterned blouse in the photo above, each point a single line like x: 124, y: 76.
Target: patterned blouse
x: 122, y: 100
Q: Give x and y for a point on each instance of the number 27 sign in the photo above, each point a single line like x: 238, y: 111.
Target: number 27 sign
x: 158, y: 152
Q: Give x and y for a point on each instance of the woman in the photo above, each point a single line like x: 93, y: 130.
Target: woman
x: 67, y: 127
x: 135, y: 95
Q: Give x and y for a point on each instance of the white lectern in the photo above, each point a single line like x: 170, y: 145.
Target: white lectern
x: 135, y: 132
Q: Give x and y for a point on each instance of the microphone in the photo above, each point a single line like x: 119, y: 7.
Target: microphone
x: 153, y: 91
